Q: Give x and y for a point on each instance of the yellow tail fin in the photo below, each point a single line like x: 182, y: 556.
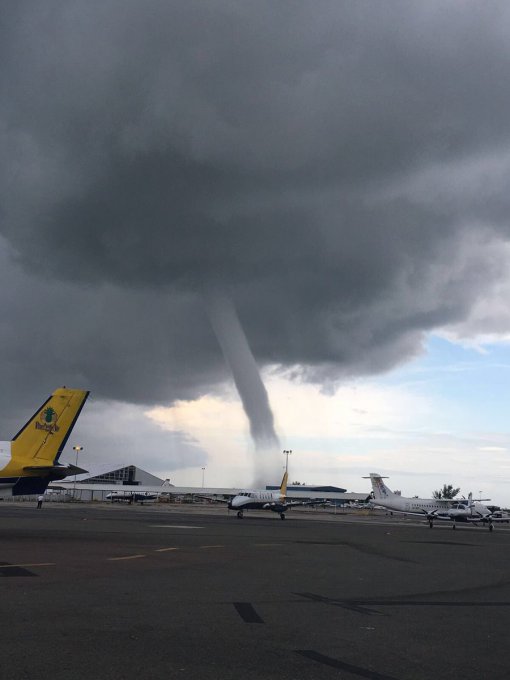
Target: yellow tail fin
x: 41, y: 441
x: 283, y: 485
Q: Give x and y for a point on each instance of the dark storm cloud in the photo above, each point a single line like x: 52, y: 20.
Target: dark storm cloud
x: 285, y: 152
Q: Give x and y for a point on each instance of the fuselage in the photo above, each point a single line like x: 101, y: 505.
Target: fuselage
x: 257, y: 500
x: 7, y: 481
x: 403, y: 504
x: 462, y: 511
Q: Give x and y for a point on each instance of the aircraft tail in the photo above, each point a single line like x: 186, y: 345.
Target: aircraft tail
x: 283, y: 485
x: 36, y: 448
x: 379, y: 488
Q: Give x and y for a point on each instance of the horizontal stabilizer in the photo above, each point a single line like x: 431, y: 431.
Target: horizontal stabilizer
x: 56, y: 471
x: 73, y: 470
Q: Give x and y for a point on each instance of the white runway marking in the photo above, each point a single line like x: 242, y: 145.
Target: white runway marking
x: 266, y: 545
x: 126, y: 557
x: 165, y: 549
x: 212, y: 546
x: 173, y: 526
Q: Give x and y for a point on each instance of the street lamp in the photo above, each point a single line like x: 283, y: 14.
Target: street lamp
x: 287, y: 453
x: 203, y: 474
x: 77, y: 449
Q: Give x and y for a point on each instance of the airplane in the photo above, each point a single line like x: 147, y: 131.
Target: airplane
x: 266, y: 500
x: 474, y: 511
x: 132, y: 496
x: 464, y: 510
x: 29, y: 462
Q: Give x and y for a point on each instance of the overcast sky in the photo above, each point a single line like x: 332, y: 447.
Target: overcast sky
x: 337, y: 170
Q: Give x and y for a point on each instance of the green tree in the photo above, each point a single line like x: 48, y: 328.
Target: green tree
x: 446, y: 492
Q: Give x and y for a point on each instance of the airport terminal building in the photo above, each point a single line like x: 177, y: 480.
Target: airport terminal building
x: 124, y: 475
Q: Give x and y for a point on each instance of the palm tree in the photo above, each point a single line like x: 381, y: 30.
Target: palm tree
x: 446, y: 492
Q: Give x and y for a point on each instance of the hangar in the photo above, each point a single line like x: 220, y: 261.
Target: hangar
x: 81, y: 487
x: 121, y: 474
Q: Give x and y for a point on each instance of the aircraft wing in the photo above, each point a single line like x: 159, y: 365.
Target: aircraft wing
x: 290, y: 504
x: 214, y: 499
x: 404, y: 512
x: 423, y: 513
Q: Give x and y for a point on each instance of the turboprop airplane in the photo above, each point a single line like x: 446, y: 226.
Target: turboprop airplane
x: 276, y: 501
x: 132, y: 496
x: 432, y: 508
x: 29, y: 462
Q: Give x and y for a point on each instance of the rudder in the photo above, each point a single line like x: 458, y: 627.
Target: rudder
x: 283, y: 485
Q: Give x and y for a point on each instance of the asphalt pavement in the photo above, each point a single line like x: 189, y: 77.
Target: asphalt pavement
x: 118, y: 593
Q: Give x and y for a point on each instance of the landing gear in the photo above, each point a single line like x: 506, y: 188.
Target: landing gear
x: 282, y: 515
x: 239, y: 514
x: 454, y: 525
x: 491, y: 526
x: 431, y: 523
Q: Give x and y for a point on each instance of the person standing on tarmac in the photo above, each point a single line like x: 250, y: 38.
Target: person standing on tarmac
x: 39, y: 502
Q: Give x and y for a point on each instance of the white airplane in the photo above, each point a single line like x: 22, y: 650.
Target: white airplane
x: 132, y: 496
x: 433, y: 508
x: 276, y: 501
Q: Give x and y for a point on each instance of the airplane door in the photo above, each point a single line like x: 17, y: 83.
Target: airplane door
x: 407, y: 507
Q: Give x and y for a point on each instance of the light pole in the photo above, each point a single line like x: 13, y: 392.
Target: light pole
x: 287, y: 453
x: 77, y: 449
x: 203, y: 475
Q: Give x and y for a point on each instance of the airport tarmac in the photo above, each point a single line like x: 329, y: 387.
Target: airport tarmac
x: 117, y: 593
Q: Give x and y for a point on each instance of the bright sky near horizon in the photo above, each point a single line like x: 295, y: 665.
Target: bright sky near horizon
x: 441, y: 418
